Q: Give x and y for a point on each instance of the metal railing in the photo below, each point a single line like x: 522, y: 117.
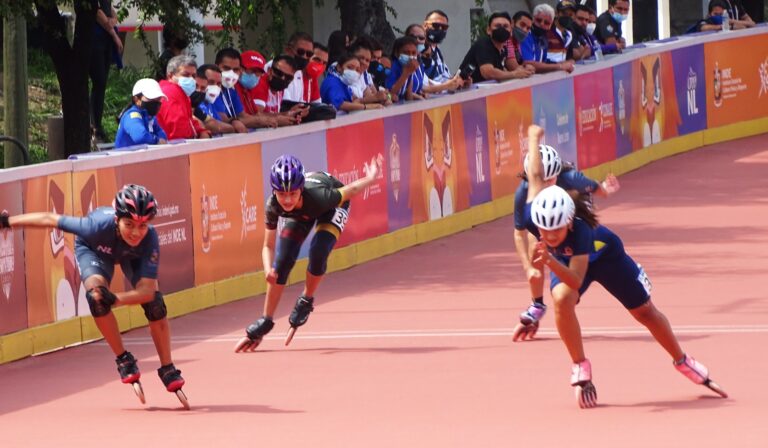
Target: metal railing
x: 19, y: 145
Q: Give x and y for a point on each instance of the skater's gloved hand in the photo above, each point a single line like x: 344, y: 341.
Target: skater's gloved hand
x: 541, y: 255
x: 271, y: 276
x: 533, y: 272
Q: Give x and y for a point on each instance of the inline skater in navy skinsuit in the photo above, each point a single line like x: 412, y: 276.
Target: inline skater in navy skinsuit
x: 579, y: 251
x: 564, y: 175
x: 122, y: 235
x: 303, y: 200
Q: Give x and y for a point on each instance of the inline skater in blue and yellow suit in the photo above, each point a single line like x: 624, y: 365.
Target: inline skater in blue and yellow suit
x: 579, y: 251
x: 122, y: 235
x: 304, y: 201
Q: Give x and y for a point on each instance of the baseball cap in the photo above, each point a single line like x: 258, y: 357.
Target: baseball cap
x: 252, y: 60
x: 149, y: 88
x: 566, y: 4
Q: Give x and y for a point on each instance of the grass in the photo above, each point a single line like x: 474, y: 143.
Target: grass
x: 45, y: 100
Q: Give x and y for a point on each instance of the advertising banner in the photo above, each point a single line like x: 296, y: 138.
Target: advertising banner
x: 477, y: 149
x: 594, y: 118
x: 227, y: 212
x: 53, y: 279
x: 690, y: 88
x: 351, y: 152
x: 554, y: 110
x: 509, y: 115
x: 655, y: 116
x: 397, y: 144
x: 623, y: 107
x: 737, y: 80
x: 13, y: 290
x: 439, y: 176
x: 168, y: 180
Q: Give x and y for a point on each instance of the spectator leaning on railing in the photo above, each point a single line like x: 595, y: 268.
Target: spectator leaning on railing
x: 175, y: 116
x: 436, y: 27
x: 406, y: 79
x: 208, y: 90
x: 268, y: 95
x: 137, y: 123
x: 336, y: 89
x: 608, y: 30
x: 485, y: 59
x: 418, y: 32
x: 521, y: 27
x: 739, y: 18
x: 228, y: 60
x: 364, y: 89
x: 535, y: 47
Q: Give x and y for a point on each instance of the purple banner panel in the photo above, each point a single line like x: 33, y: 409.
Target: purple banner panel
x: 690, y: 87
x: 622, y: 88
x: 397, y: 147
x: 476, y: 145
x: 554, y: 110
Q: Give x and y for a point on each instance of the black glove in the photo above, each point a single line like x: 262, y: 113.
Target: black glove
x: 4, y: 224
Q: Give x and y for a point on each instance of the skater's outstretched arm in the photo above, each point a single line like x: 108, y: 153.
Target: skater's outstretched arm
x: 572, y: 275
x: 38, y: 219
x: 347, y: 191
x: 535, y: 166
x: 268, y: 255
x: 143, y: 292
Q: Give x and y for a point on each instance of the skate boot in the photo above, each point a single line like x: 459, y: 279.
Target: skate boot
x: 581, y: 380
x: 254, y: 334
x: 299, y: 315
x: 171, y: 378
x: 129, y: 374
x: 698, y: 374
x: 533, y: 314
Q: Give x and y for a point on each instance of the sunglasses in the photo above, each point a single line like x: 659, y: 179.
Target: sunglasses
x: 439, y: 26
x: 540, y: 21
x: 281, y: 74
x: 304, y: 53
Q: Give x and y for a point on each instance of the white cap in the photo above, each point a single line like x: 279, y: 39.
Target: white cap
x: 149, y: 88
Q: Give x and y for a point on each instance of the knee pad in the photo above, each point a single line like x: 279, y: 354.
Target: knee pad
x: 285, y: 257
x: 319, y: 250
x: 101, y: 307
x: 155, y: 310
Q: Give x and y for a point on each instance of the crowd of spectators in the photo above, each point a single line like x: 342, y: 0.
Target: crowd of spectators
x: 309, y: 81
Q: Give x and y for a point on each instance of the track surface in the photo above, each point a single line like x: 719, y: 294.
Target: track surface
x: 415, y: 349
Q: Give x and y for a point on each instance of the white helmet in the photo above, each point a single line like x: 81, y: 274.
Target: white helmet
x: 551, y: 161
x: 552, y: 208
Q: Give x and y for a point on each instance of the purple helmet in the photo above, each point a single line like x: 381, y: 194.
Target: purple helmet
x: 287, y: 173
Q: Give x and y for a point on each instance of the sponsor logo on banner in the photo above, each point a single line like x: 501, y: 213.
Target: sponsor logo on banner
x: 7, y: 261
x: 727, y: 84
x: 622, y: 103
x: 205, y: 222
x: 173, y: 231
x: 248, y: 213
x: 763, y: 71
x: 214, y: 221
x: 693, y: 109
x: 479, y: 150
x: 598, y: 118
x: 717, y: 86
x: 347, y: 177
x: 394, y: 167
x: 503, y: 151
x: 562, y: 122
x: 522, y: 141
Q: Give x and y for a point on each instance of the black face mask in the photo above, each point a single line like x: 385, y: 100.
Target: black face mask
x: 152, y: 107
x: 436, y: 36
x: 538, y: 31
x: 565, y: 22
x: 196, y: 98
x: 301, y: 63
x: 520, y: 35
x: 500, y: 35
x: 378, y: 72
x: 278, y: 84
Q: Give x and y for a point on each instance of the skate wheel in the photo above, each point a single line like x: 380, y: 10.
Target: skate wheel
x: 289, y: 336
x: 139, y: 391
x: 183, y: 399
x: 247, y: 344
x: 524, y: 332
x: 586, y: 395
x: 716, y: 388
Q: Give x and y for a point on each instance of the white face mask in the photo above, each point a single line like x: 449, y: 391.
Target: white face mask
x: 350, y: 77
x: 229, y: 79
x: 211, y: 93
x: 591, y: 28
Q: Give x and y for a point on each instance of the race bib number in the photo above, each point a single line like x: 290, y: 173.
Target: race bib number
x: 642, y: 277
x: 340, y: 218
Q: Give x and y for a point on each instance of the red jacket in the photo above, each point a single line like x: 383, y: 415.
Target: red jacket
x: 175, y: 116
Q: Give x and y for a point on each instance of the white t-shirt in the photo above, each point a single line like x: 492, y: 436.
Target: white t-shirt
x: 295, y: 90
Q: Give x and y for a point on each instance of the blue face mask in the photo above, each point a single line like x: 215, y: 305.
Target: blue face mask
x: 716, y: 20
x: 404, y: 59
x: 187, y: 84
x: 249, y: 80
x: 619, y: 17
x: 420, y: 48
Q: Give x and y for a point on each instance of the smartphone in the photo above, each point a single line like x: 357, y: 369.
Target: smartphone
x: 466, y: 71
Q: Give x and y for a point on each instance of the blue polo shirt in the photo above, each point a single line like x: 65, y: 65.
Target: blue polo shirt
x: 334, y: 91
x: 138, y: 128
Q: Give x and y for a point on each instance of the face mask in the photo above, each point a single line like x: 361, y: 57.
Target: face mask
x: 500, y: 35
x: 520, y: 35
x: 211, y: 93
x: 404, y: 59
x: 591, y: 28
x: 538, y: 31
x: 249, y: 80
x: 152, y: 107
x: 420, y: 48
x: 436, y: 36
x: 565, y: 21
x: 278, y: 84
x: 716, y: 20
x: 196, y: 98
x: 301, y: 63
x: 426, y: 62
x: 315, y: 69
x: 619, y: 17
x: 350, y: 77
x: 229, y: 79
x: 187, y: 84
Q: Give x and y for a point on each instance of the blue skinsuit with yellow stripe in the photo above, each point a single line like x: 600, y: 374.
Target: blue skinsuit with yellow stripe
x: 609, y: 264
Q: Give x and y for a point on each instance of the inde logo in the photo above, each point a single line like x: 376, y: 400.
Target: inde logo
x: 7, y: 258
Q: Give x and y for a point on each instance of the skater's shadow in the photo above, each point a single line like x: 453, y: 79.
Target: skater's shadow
x: 219, y: 408
x: 701, y: 402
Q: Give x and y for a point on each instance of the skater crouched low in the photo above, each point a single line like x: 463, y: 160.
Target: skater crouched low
x: 305, y: 201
